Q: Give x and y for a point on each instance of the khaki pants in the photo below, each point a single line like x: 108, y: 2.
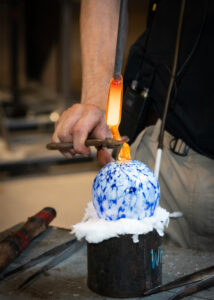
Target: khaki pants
x: 187, y: 185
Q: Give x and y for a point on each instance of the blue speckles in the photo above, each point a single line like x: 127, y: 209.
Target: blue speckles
x: 121, y: 209
x: 132, y: 190
x: 113, y: 186
x: 112, y: 201
x: 127, y: 190
x: 148, y: 205
x: 123, y: 216
x: 152, y: 184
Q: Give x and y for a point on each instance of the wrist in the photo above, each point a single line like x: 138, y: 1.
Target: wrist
x: 96, y: 93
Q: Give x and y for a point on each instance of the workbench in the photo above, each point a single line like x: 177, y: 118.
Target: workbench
x: 68, y: 279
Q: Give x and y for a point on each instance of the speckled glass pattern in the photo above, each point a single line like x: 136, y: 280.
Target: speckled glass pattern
x: 125, y: 190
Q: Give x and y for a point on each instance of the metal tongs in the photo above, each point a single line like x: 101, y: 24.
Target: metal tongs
x: 54, y: 256
x: 196, y: 282
x: 98, y: 143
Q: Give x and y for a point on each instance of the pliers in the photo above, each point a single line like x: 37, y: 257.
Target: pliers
x: 98, y: 143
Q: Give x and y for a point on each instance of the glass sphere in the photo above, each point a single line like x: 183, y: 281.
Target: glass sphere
x: 125, y: 190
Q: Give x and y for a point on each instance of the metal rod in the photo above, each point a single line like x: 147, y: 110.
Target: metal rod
x: 194, y: 288
x: 187, y: 279
x: 65, y: 254
x: 108, y: 143
x: 171, y: 82
x: 121, y: 34
x: 39, y: 259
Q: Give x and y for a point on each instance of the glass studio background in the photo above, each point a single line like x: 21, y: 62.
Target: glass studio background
x: 40, y: 76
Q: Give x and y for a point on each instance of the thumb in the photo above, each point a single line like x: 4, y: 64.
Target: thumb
x: 104, y: 156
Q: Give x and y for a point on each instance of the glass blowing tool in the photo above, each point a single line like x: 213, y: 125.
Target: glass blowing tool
x: 115, y: 96
x: 168, y: 95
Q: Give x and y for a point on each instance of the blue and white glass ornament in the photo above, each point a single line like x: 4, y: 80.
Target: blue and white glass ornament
x: 125, y: 190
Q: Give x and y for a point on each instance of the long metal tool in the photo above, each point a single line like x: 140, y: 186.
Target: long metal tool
x: 171, y: 83
x: 121, y: 36
x: 39, y: 259
x: 194, y: 288
x: 108, y: 143
x: 98, y: 143
x: 66, y: 253
x: 115, y: 96
x: 188, y: 279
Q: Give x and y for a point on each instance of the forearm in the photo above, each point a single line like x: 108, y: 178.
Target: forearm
x: 98, y: 24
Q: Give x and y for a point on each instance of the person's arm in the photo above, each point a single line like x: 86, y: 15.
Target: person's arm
x: 99, y: 24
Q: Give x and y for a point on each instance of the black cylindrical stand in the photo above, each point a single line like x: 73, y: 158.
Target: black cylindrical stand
x: 118, y: 267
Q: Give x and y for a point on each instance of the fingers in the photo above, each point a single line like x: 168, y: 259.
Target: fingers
x: 68, y: 154
x: 104, y: 156
x: 79, y: 122
x: 63, y: 128
x: 88, y: 124
x: 65, y: 124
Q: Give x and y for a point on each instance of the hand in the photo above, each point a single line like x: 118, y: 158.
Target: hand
x: 77, y: 124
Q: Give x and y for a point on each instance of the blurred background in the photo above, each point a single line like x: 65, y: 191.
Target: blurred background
x: 40, y: 76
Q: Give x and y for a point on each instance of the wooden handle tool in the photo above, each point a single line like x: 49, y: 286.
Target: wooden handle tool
x: 16, y: 242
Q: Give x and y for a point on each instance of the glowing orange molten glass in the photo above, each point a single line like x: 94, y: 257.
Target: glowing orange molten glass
x: 113, y: 115
x: 114, y: 104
